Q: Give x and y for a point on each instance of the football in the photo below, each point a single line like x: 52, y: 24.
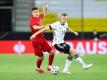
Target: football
x: 55, y: 70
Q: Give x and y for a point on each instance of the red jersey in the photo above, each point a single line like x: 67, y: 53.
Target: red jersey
x: 36, y: 21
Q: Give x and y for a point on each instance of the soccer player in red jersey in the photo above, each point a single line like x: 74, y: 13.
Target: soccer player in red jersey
x: 40, y: 44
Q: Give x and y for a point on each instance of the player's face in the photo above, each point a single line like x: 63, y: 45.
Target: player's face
x: 35, y: 13
x: 63, y: 19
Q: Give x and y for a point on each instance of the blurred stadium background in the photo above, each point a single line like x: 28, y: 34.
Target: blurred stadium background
x: 88, y: 17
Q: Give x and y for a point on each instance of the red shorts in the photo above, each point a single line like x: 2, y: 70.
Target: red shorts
x: 40, y: 46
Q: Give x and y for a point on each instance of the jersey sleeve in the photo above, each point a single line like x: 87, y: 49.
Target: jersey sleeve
x: 66, y: 25
x: 53, y: 25
x: 32, y: 23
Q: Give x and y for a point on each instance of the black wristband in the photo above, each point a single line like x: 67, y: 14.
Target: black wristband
x: 50, y: 27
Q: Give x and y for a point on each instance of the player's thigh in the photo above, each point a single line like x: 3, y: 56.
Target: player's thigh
x: 37, y: 48
x: 73, y: 51
x: 63, y: 47
x: 46, y: 46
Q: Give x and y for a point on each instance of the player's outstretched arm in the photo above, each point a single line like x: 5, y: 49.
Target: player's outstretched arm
x: 76, y: 33
x: 38, y: 27
x: 40, y: 31
x: 46, y: 8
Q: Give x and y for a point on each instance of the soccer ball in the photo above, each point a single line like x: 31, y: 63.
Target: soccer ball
x: 55, y: 70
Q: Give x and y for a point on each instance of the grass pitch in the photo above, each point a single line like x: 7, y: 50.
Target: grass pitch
x: 22, y: 67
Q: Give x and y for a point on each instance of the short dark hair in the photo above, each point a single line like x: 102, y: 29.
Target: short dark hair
x: 64, y: 14
x: 34, y: 8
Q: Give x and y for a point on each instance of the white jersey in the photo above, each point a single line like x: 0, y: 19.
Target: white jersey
x: 58, y: 32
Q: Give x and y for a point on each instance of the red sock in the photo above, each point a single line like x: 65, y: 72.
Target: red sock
x: 51, y: 57
x: 39, y: 61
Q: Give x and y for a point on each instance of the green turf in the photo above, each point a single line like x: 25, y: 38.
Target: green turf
x: 21, y: 67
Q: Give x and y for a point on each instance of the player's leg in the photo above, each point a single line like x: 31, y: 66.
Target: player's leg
x: 38, y: 64
x: 74, y: 53
x: 65, y: 48
x: 46, y: 47
x: 50, y: 59
x: 67, y: 65
x: 38, y: 52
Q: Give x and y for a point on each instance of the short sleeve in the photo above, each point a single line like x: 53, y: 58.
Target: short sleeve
x: 32, y: 22
x: 66, y: 24
x: 53, y: 25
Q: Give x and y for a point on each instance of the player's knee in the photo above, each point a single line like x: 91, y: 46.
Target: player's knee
x: 70, y: 57
x: 41, y: 58
x: 51, y: 52
x: 76, y: 56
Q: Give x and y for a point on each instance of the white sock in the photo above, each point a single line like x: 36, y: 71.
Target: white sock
x: 80, y: 61
x: 67, y: 65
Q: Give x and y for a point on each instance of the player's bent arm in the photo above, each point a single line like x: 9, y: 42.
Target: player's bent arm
x: 40, y: 31
x: 76, y: 33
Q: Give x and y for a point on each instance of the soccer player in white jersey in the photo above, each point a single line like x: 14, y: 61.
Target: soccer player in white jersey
x: 59, y: 28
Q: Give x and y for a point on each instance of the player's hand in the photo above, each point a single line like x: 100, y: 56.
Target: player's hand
x: 76, y: 33
x: 32, y: 37
x: 46, y: 5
